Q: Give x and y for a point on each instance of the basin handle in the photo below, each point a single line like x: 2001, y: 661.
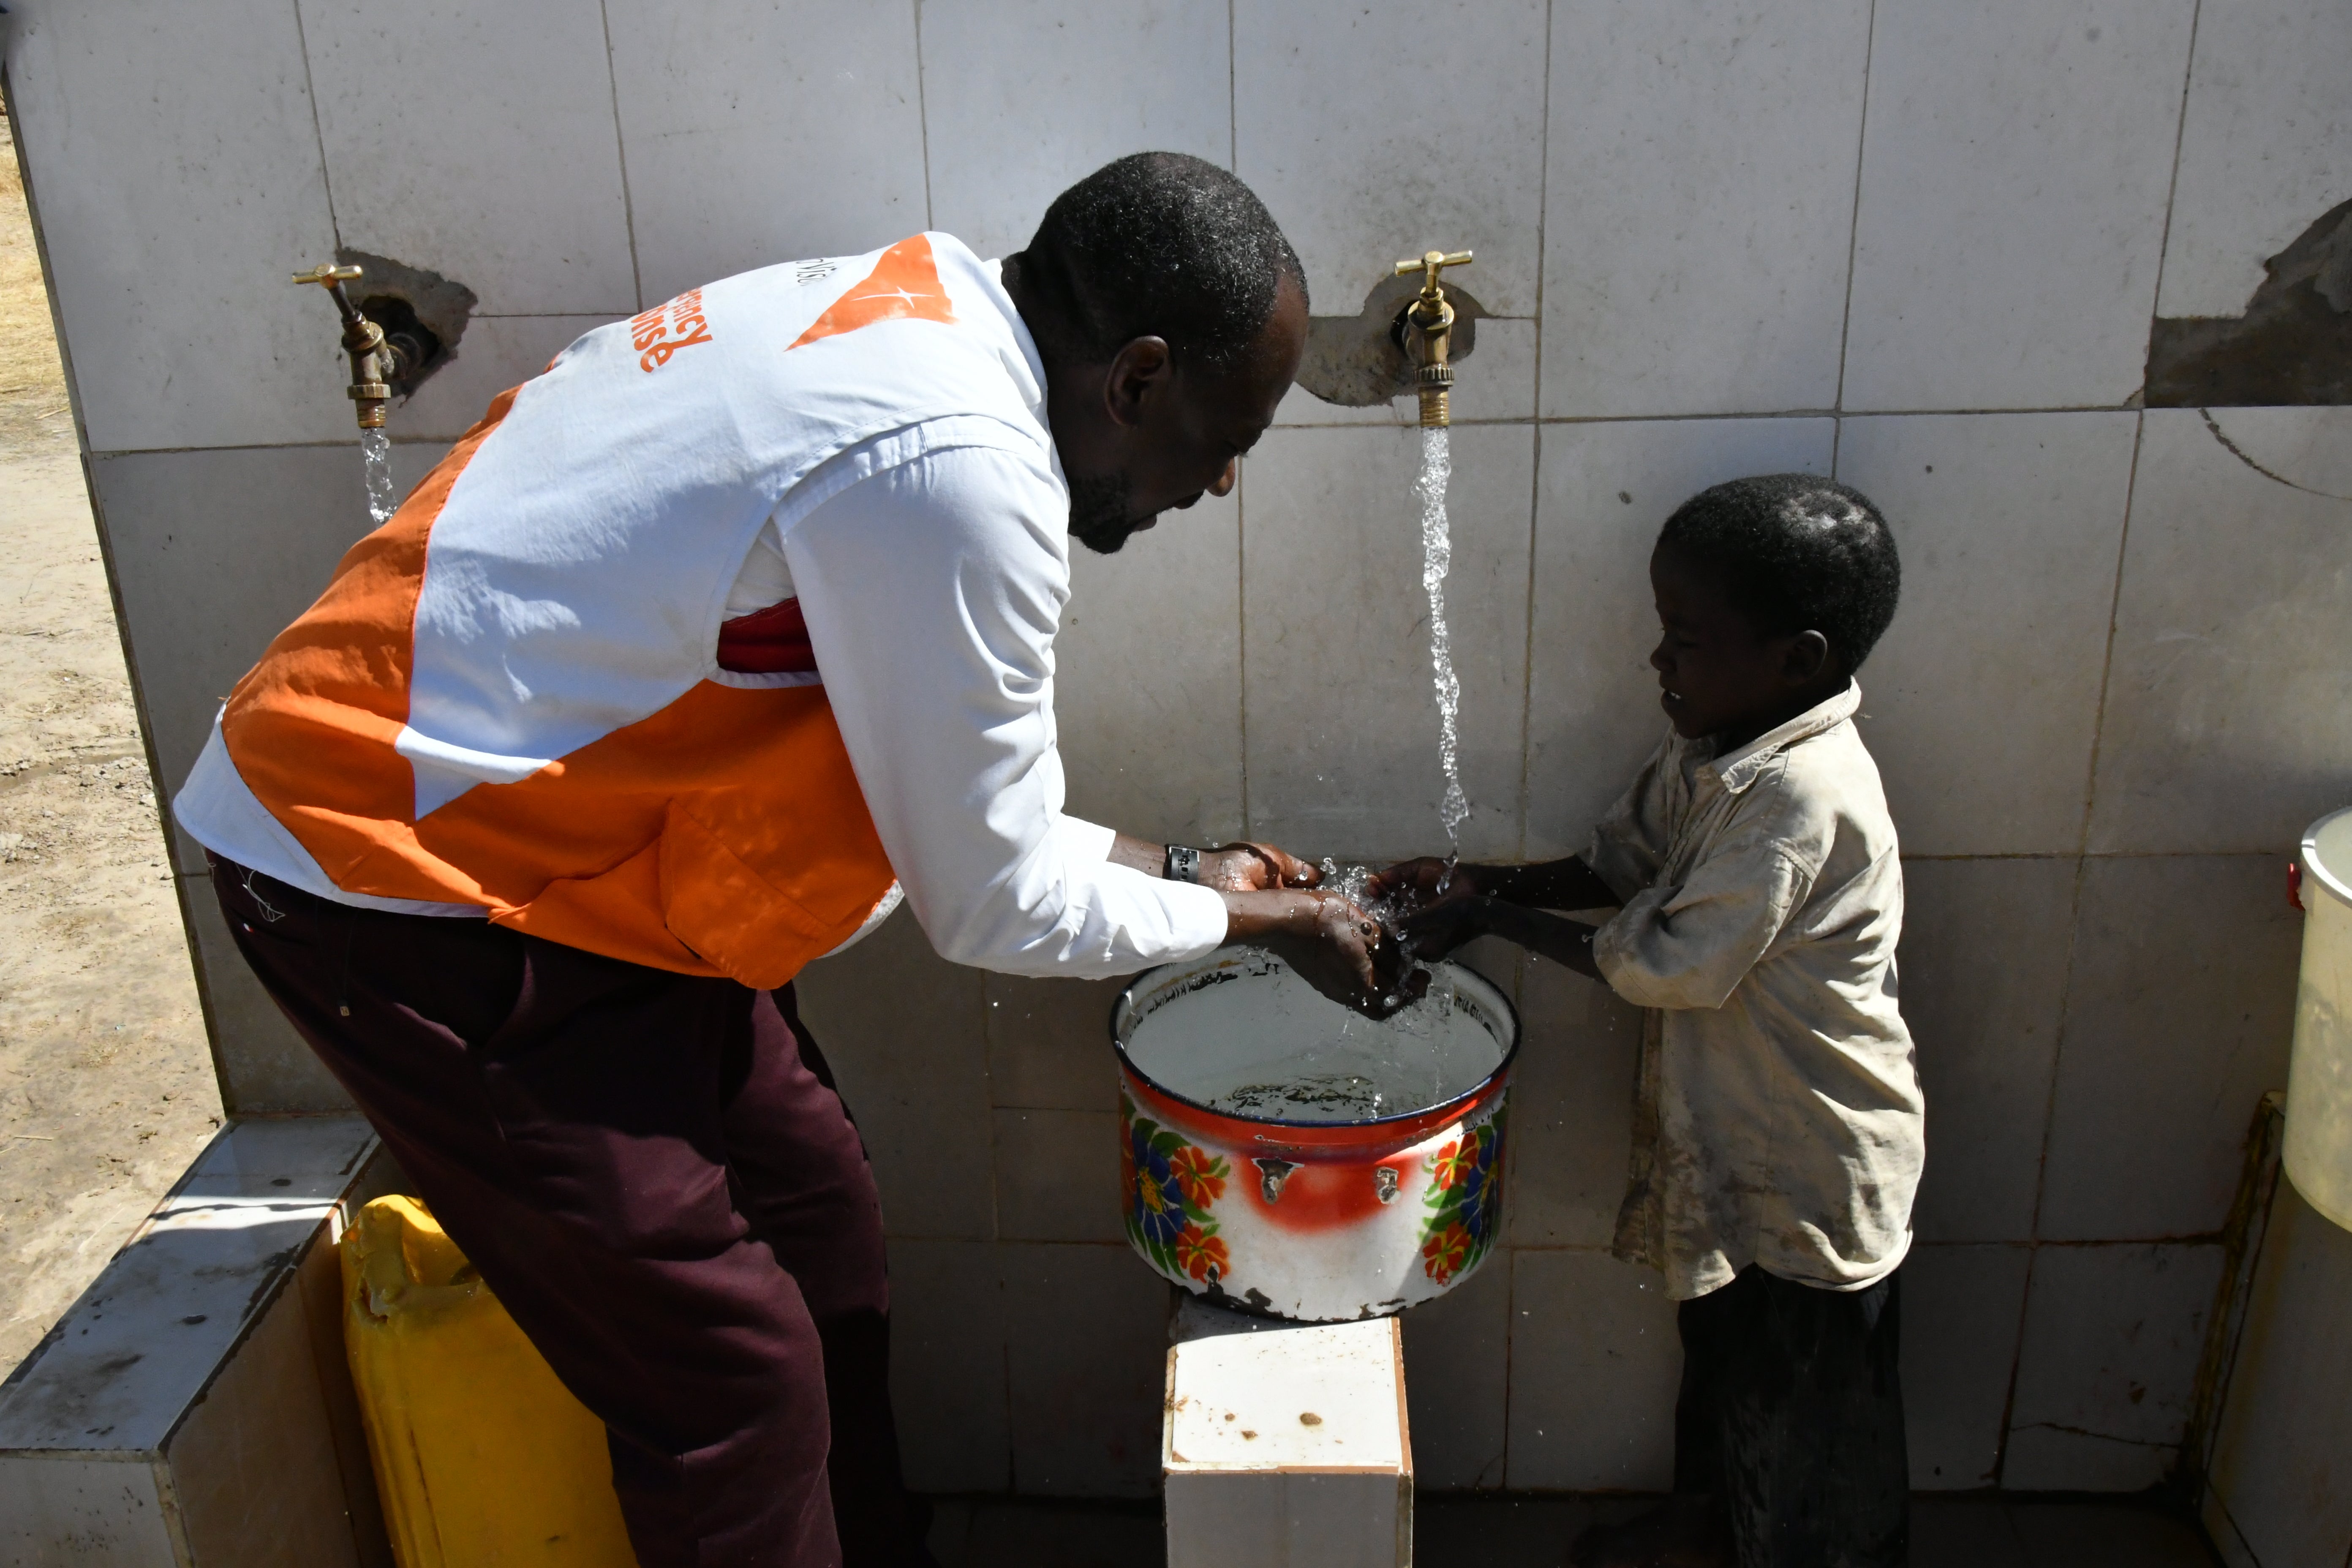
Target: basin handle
x: 1271, y: 1175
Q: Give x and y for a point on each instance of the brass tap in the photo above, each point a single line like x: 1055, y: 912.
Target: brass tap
x: 375, y: 363
x: 1430, y: 319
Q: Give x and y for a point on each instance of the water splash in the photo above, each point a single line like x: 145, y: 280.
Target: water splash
x: 375, y: 448
x: 1392, y: 909
x: 1436, y: 560
x: 1269, y: 1046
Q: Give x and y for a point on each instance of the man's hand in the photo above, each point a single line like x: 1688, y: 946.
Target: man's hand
x: 1337, y: 947
x: 1247, y: 867
x: 1421, y: 877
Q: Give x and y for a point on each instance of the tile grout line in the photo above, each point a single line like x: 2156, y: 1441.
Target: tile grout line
x: 1241, y: 477
x: 311, y: 90
x: 2256, y: 854
x: 1526, y: 714
x: 2016, y: 1357
x: 922, y: 111
x: 1233, y: 97
x: 1510, y: 1343
x: 2172, y: 186
x: 1241, y: 637
x: 2107, y: 654
x: 1701, y: 416
x: 621, y: 154
x: 1535, y: 490
x: 2083, y: 859
x: 1853, y: 236
x: 1334, y: 425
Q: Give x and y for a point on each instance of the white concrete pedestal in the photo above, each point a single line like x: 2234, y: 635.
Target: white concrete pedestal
x: 193, y: 1409
x: 1285, y: 1445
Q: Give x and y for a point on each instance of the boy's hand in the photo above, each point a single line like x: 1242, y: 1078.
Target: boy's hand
x: 1247, y: 867
x: 1422, y: 877
x: 1436, y: 931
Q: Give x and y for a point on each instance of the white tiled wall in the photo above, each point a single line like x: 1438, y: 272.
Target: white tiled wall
x: 2265, y: 148
x: 1916, y: 243
x: 2014, y: 166
x: 1984, y: 964
x: 2227, y: 706
x: 1983, y: 698
x: 754, y: 132
x: 2108, y: 1364
x: 1699, y: 189
x: 1374, y: 132
x: 2175, y: 1024
x: 1962, y: 1306
x: 442, y: 153
x: 172, y: 216
x: 1148, y: 677
x: 1010, y: 128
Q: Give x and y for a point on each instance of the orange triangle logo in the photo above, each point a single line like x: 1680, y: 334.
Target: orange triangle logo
x: 903, y: 286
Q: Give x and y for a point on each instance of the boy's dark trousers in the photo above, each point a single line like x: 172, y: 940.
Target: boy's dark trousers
x: 654, y: 1175
x: 1790, y: 1418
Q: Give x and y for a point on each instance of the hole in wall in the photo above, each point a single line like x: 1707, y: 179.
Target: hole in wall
x: 1359, y: 360
x: 2292, y: 343
x: 422, y: 314
x: 418, y: 345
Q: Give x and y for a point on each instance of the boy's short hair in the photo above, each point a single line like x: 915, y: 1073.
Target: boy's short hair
x: 1797, y: 553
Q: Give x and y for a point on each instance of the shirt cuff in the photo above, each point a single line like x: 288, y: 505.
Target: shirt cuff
x: 1084, y: 843
x: 1196, y: 915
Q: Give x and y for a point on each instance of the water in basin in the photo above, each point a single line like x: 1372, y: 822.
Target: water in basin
x: 1260, y: 1042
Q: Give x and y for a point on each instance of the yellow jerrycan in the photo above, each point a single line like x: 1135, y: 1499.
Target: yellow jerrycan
x: 482, y: 1458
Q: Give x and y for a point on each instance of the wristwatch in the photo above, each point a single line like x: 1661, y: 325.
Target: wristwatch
x: 1183, y: 865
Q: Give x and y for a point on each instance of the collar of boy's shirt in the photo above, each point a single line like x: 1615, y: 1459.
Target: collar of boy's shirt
x: 1737, y: 773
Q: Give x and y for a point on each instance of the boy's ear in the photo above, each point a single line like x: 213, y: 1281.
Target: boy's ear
x: 1809, y: 654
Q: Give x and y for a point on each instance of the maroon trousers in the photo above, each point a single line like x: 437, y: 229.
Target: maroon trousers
x: 654, y: 1175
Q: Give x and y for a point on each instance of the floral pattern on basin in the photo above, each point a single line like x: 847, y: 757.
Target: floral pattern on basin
x: 1464, y: 1200
x: 1170, y: 1186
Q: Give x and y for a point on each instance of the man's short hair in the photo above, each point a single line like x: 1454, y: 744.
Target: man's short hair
x: 1796, y: 553
x: 1158, y: 244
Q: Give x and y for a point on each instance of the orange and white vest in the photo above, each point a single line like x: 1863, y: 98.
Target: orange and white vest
x: 507, y: 700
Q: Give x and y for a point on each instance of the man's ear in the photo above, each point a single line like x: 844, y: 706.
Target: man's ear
x: 1137, y: 371
x: 1809, y: 654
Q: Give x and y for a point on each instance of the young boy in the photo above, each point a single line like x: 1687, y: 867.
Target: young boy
x: 1777, y: 1126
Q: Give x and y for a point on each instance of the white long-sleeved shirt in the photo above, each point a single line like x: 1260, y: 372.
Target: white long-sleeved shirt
x: 932, y: 592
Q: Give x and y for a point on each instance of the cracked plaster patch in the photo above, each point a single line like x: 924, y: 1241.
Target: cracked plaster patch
x: 2292, y: 345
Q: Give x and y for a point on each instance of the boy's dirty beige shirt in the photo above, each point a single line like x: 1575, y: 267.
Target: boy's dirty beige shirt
x: 1777, y: 1114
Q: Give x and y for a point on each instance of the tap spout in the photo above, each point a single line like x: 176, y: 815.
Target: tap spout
x: 375, y: 363
x: 1426, y: 329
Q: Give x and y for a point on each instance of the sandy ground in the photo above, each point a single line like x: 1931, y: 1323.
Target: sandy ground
x: 106, y: 1087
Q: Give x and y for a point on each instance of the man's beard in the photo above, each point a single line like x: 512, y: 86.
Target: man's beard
x: 1100, y: 517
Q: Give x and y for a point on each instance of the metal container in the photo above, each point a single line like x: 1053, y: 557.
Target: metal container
x: 2318, y: 1151
x: 1321, y: 1221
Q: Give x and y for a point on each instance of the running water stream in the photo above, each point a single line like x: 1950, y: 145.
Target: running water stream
x: 375, y: 448
x: 1436, y: 559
